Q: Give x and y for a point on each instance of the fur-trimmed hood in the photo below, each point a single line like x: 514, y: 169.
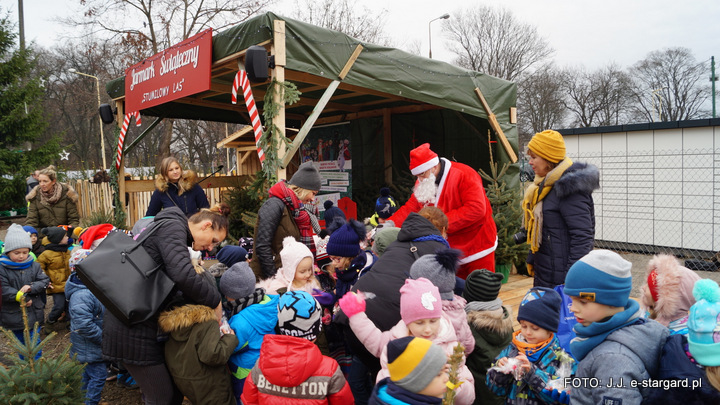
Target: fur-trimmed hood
x: 179, y: 321
x: 496, y: 321
x: 674, y: 289
x: 67, y: 191
x: 186, y: 182
x: 578, y: 178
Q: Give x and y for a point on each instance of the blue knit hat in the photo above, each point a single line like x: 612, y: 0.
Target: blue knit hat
x: 541, y: 306
x: 600, y: 276
x: 385, y: 205
x: 232, y: 254
x: 29, y: 229
x: 703, y: 328
x: 332, y: 212
x: 345, y: 241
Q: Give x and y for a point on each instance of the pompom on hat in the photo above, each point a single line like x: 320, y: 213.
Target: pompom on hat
x: 419, y: 299
x: 331, y: 213
x: 414, y: 362
x: 482, y: 285
x: 440, y: 269
x: 549, y: 145
x: 299, y: 315
x: 600, y: 276
x: 541, y: 306
x: 17, y: 238
x: 703, y: 328
x: 307, y: 177
x: 422, y: 159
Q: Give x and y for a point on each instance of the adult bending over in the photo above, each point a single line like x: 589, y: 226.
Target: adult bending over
x: 283, y: 215
x: 176, y: 188
x: 559, y: 210
x: 138, y: 347
x: 51, y: 203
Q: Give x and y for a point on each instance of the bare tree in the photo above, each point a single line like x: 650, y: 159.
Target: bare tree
x: 493, y: 41
x: 597, y: 98
x: 541, y: 102
x: 669, y: 85
x: 341, y: 15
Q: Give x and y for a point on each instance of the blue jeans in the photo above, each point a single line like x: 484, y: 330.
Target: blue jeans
x: 360, y: 381
x: 19, y: 333
x: 93, y: 381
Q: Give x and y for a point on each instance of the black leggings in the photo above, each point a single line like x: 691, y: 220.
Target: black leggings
x: 156, y: 384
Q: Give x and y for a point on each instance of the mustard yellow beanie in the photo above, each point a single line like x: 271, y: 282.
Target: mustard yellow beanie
x: 549, y: 145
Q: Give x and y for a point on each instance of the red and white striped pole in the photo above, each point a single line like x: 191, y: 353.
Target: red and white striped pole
x: 123, y: 131
x: 241, y: 80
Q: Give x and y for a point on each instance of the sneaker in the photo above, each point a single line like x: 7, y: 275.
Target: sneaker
x: 126, y: 381
x: 112, y: 373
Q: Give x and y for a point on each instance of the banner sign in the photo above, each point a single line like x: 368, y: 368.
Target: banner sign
x: 176, y: 72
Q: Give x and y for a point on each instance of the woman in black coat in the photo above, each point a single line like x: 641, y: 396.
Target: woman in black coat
x: 139, y: 347
x: 559, y: 210
x: 176, y: 188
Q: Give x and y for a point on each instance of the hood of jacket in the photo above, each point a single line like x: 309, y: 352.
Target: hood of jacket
x: 73, y: 285
x: 179, y: 321
x: 498, y: 322
x: 416, y: 226
x: 578, y: 178
x: 67, y: 191
x: 263, y: 317
x: 186, y: 182
x: 674, y: 289
x: 645, y: 339
x: 175, y: 213
x: 288, y: 361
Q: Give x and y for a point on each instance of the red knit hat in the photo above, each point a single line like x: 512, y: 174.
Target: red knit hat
x: 422, y: 159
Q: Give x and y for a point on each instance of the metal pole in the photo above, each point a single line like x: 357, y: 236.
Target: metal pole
x: 442, y: 17
x: 713, y: 79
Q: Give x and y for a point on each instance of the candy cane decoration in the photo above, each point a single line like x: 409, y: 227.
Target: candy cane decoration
x: 123, y: 131
x: 241, y: 79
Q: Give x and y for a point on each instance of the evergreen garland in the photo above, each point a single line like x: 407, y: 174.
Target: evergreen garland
x: 118, y: 209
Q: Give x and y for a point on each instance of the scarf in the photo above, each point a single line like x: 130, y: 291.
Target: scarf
x: 531, y: 350
x: 483, y: 306
x: 233, y: 307
x: 51, y: 197
x: 679, y: 326
x: 436, y: 238
x: 532, y: 204
x: 9, y: 264
x: 592, y: 335
x: 299, y: 215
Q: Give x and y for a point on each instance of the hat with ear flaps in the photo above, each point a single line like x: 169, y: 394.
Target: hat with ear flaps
x: 670, y: 287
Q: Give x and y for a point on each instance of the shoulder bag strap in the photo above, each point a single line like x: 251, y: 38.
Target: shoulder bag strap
x: 147, y: 232
x: 413, y: 249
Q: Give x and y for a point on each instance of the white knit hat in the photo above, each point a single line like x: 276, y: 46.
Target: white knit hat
x: 291, y: 255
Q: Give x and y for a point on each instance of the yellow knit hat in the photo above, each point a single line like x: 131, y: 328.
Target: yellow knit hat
x: 549, y: 145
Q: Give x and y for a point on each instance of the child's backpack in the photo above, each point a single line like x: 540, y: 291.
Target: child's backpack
x: 565, y: 331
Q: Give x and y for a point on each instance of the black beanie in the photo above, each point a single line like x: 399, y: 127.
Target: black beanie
x: 482, y: 285
x: 55, y: 234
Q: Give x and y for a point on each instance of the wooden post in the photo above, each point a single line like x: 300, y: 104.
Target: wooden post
x: 496, y: 126
x: 387, y: 145
x: 278, y: 73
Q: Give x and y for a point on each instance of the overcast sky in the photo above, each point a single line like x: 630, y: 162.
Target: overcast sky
x: 582, y: 32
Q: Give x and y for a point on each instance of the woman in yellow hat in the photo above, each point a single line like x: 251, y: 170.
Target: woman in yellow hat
x: 559, y: 214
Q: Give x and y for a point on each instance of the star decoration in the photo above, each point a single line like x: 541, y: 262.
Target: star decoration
x: 64, y: 155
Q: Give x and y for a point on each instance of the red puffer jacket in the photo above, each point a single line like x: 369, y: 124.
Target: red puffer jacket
x: 291, y: 367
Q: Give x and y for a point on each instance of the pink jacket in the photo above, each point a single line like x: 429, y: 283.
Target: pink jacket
x: 376, y: 341
x: 455, y: 311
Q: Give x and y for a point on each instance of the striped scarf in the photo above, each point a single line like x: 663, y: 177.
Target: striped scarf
x: 299, y: 215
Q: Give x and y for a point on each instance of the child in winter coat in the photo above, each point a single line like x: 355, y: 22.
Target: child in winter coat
x: 667, y: 293
x: 348, y: 259
x: 297, y: 271
x: 37, y: 246
x: 86, y: 321
x: 492, y: 327
x: 440, y: 269
x: 536, y: 348
x: 252, y: 313
x: 614, y: 343
x: 692, y: 358
x: 422, y: 316
x: 21, y: 277
x: 418, y: 373
x: 291, y: 368
x: 54, y: 262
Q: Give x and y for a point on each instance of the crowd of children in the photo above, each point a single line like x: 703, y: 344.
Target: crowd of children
x: 280, y: 342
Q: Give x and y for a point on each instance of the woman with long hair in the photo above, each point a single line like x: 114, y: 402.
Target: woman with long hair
x: 175, y: 187
x: 51, y: 203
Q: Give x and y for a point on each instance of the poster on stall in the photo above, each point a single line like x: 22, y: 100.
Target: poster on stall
x: 328, y: 147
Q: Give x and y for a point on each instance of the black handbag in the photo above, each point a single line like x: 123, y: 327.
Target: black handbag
x: 123, y: 276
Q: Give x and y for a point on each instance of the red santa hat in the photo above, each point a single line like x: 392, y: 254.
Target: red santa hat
x: 422, y: 159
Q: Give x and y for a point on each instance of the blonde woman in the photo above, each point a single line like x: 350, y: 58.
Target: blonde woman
x: 51, y: 203
x: 175, y: 187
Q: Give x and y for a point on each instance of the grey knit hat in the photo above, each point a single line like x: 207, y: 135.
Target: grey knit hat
x: 482, y: 285
x: 16, y: 238
x: 307, y: 177
x: 238, y: 281
x: 439, y: 269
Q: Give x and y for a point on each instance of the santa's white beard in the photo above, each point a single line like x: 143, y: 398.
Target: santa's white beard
x: 426, y: 190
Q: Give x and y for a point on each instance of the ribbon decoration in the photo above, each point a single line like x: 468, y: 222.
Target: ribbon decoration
x: 123, y: 131
x: 241, y: 80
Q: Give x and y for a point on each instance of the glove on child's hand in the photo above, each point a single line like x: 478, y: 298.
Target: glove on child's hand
x: 557, y: 396
x: 325, y: 298
x: 352, y: 304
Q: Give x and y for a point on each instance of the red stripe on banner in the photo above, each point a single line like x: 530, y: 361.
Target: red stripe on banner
x: 241, y: 80
x: 123, y: 132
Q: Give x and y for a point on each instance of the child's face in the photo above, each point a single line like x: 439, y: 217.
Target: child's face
x: 340, y: 263
x: 64, y: 240
x: 587, y: 312
x: 438, y: 385
x: 426, y: 328
x: 33, y: 238
x: 18, y: 255
x: 534, y: 334
x: 304, y: 270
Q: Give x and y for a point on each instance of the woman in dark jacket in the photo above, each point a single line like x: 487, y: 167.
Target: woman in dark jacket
x: 176, y: 188
x: 559, y: 214
x: 140, y: 347
x: 384, y: 281
x: 283, y: 215
x: 51, y: 203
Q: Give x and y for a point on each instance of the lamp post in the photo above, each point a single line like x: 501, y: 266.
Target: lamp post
x: 102, y: 135
x: 442, y: 17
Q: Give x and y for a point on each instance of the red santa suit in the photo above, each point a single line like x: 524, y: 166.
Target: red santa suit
x: 462, y: 198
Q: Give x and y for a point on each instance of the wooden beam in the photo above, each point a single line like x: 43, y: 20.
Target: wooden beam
x: 137, y: 186
x: 319, y: 80
x: 278, y: 73
x: 387, y: 145
x: 377, y: 113
x: 234, y: 136
x: 142, y: 135
x: 350, y: 62
x: 496, y: 126
x: 236, y: 55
